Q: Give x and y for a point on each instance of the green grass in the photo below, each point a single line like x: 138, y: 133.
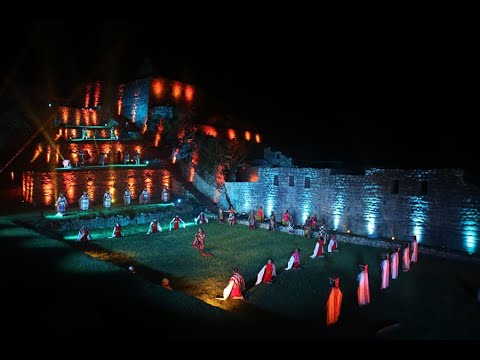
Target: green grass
x: 435, y: 300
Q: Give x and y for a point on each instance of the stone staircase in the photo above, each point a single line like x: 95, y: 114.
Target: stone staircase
x: 207, y: 203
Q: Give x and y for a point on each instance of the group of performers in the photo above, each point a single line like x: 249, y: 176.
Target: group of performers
x: 85, y: 201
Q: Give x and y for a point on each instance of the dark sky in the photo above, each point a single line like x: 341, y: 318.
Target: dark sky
x: 393, y: 101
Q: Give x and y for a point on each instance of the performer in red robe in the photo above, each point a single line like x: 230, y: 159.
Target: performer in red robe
x: 318, y: 251
x: 154, y: 227
x: 176, y: 223
x: 235, y: 287
x: 117, y: 231
x: 84, y: 234
x: 394, y: 261
x: 266, y: 273
x: 334, y: 302
x: 199, y: 240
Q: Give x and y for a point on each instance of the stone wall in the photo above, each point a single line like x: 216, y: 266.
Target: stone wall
x: 135, y: 99
x: 41, y: 189
x: 435, y: 205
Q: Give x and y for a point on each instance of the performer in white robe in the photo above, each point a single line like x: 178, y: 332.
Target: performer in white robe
x: 414, y: 245
x: 363, y: 291
x: 107, y: 199
x: 394, y: 261
x: 267, y: 272
x: 385, y: 266
x: 406, y: 258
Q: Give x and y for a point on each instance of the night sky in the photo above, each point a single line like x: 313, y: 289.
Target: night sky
x: 397, y: 101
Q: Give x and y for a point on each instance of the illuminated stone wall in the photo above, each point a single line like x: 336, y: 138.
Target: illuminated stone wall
x: 435, y: 205
x: 42, y: 189
x: 135, y: 100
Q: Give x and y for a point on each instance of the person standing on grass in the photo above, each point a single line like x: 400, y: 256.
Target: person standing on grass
x: 363, y: 291
x: 385, y: 267
x: 394, y: 262
x: 406, y: 258
x: 334, y: 302
x: 251, y: 221
x: 414, y: 246
x: 199, y: 240
x: 260, y: 215
x: 272, y: 222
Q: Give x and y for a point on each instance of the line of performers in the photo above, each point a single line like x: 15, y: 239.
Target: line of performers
x: 389, y: 267
x: 85, y: 202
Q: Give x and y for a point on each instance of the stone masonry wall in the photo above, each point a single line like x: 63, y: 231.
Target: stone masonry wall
x: 435, y: 205
x: 135, y: 100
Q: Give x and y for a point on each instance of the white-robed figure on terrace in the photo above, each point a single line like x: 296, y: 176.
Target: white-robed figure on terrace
x: 127, y: 197
x: 84, y: 201
x: 363, y: 291
x: 385, y: 266
x: 107, y: 199
x: 61, y: 204
x: 165, y: 195
x: 414, y: 245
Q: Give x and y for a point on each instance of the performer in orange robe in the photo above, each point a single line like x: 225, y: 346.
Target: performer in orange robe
x: 334, y: 302
x: 363, y: 291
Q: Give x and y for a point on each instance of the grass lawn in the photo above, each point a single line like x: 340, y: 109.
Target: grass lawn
x: 435, y: 300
